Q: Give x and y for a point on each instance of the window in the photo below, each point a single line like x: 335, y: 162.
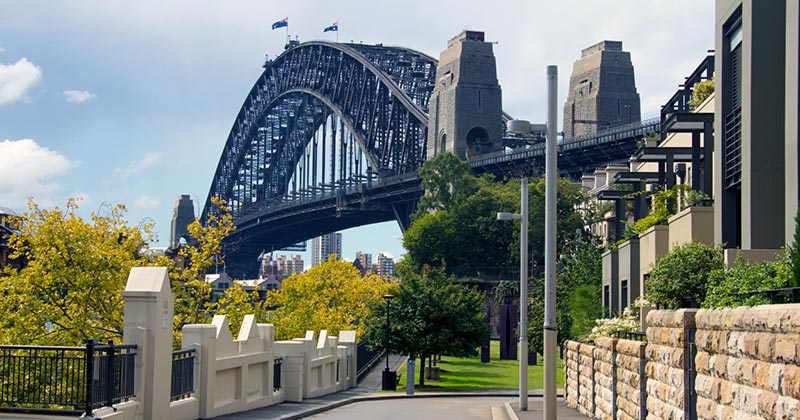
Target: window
x: 623, y: 295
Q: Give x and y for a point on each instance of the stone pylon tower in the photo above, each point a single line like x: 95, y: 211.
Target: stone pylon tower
x: 182, y: 216
x: 466, y: 116
x: 602, y: 91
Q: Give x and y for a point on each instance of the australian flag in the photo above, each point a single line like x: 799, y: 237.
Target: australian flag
x: 334, y: 27
x: 281, y: 23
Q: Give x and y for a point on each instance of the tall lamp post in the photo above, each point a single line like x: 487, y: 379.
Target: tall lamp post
x: 523, y: 291
x: 389, y: 377
x: 551, y: 174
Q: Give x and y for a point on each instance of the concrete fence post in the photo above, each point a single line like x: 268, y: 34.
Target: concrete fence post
x: 148, y: 324
x: 204, y: 338
x: 348, y: 339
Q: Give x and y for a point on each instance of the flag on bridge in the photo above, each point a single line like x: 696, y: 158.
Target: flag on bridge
x: 334, y: 28
x: 281, y: 23
x: 261, y: 257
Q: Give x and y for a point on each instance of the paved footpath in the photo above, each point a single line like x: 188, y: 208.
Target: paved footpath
x: 364, y: 401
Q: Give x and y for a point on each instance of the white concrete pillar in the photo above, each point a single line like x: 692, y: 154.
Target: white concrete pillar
x: 348, y: 340
x: 148, y: 324
x: 204, y: 337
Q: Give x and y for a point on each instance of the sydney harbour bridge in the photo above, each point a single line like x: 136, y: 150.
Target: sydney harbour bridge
x: 331, y: 135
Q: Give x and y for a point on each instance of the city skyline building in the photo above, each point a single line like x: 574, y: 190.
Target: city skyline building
x: 324, y: 246
x: 385, y: 266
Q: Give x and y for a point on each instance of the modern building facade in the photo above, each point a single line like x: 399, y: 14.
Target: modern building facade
x: 324, y: 246
x: 602, y: 91
x: 384, y: 266
x: 289, y: 265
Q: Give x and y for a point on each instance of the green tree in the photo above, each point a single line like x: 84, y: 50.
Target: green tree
x: 793, y: 252
x: 430, y: 315
x: 332, y: 296
x: 76, y: 268
x: 193, y: 295
x: 445, y: 178
x: 235, y: 303
x: 732, y: 287
x: 683, y: 274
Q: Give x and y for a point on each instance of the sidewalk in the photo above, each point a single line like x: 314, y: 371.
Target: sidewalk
x: 367, y: 391
x: 536, y: 408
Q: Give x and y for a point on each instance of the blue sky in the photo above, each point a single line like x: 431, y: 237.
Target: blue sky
x: 131, y: 101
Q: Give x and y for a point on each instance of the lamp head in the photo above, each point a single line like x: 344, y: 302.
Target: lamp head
x: 503, y: 215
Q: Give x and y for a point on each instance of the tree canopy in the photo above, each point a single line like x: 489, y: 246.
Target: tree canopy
x: 456, y: 221
x: 429, y: 315
x: 69, y: 290
x: 332, y: 296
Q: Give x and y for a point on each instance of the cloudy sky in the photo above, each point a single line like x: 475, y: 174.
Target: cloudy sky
x: 131, y: 101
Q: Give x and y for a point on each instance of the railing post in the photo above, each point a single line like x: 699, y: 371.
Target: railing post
x: 110, y: 375
x: 89, y: 361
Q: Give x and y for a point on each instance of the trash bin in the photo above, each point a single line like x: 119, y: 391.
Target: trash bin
x: 389, y: 380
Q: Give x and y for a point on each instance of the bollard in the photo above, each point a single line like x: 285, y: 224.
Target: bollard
x: 410, y: 376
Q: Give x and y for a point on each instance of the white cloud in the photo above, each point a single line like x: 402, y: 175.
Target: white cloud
x: 147, y: 202
x: 28, y: 170
x: 2, y: 50
x: 137, y: 166
x: 78, y: 96
x: 17, y: 79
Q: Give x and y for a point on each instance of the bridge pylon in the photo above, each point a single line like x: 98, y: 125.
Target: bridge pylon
x: 466, y: 116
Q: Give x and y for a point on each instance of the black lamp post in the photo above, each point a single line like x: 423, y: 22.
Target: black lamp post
x: 389, y: 377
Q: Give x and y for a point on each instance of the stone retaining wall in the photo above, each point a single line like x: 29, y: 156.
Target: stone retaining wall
x: 667, y: 363
x: 631, y: 380
x: 605, y: 376
x: 579, y: 377
x: 748, y: 362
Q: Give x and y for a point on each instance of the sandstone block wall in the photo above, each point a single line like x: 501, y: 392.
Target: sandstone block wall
x: 579, y: 377
x: 748, y: 362
x: 666, y: 369
x: 631, y: 380
x: 605, y: 376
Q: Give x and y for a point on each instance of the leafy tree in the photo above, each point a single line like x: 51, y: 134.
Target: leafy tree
x: 793, y: 252
x: 683, y: 274
x: 731, y: 287
x: 430, y: 315
x: 193, y: 295
x: 235, y: 303
x: 332, y: 296
x: 76, y: 268
x: 506, y: 292
x: 445, y: 178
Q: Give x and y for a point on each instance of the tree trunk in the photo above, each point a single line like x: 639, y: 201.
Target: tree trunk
x: 421, y: 371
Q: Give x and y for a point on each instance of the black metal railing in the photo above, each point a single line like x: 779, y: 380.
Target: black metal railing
x: 36, y: 377
x: 182, y: 374
x: 365, y: 358
x: 775, y: 296
x: 109, y: 376
x: 276, y: 374
x: 679, y: 102
x: 733, y: 148
x: 65, y: 379
x: 630, y: 335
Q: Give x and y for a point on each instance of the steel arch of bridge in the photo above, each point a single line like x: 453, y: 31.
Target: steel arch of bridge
x: 374, y: 98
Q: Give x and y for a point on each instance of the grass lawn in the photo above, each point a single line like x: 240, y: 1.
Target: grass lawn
x: 469, y: 374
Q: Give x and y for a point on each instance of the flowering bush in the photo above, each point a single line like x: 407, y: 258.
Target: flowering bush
x: 628, y: 322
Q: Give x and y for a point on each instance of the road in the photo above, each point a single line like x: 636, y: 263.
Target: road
x: 478, y: 408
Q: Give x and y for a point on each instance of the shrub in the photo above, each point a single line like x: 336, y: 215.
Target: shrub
x: 682, y: 274
x: 700, y: 92
x: 728, y: 288
x: 793, y: 254
x: 609, y: 327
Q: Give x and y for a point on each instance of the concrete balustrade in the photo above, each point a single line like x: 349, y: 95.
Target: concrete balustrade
x: 230, y: 375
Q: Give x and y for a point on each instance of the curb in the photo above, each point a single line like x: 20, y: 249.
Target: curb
x: 380, y: 397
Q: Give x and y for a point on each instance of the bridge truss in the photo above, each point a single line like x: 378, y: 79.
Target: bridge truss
x: 323, y: 124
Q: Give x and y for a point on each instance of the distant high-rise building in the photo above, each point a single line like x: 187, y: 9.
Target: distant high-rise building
x: 602, y: 91
x: 289, y: 266
x: 364, y: 261
x: 385, y: 266
x: 325, y: 245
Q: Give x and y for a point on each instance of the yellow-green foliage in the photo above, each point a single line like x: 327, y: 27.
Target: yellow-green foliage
x: 700, y: 92
x: 331, y: 296
x: 76, y: 268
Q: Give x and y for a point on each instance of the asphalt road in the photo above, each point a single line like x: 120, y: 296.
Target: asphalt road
x: 418, y: 409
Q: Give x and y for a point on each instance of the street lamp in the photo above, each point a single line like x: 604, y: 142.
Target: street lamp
x: 523, y: 290
x: 389, y: 377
